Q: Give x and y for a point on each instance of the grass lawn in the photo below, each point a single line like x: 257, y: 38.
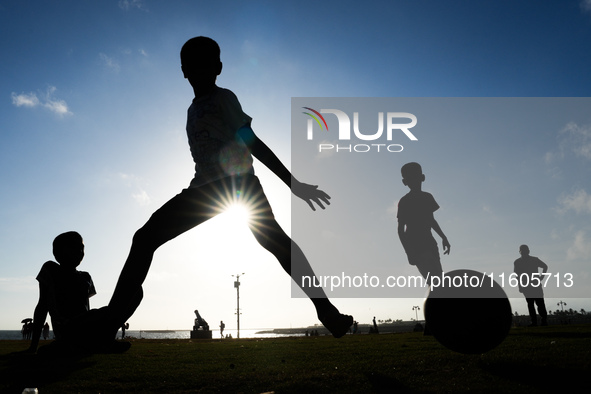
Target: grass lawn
x: 541, y: 359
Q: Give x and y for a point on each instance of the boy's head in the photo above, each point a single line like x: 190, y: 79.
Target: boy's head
x: 412, y: 175
x: 68, y: 249
x: 200, y: 59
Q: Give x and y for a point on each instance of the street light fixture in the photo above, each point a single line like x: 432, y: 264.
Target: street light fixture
x: 237, y: 286
x: 416, y: 309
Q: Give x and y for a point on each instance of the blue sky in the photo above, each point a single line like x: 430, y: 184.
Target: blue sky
x: 92, y: 115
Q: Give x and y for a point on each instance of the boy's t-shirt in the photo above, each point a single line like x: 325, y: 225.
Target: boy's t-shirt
x: 415, y: 210
x: 212, y: 123
x: 71, y: 288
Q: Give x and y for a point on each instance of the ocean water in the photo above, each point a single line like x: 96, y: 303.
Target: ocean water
x: 165, y: 334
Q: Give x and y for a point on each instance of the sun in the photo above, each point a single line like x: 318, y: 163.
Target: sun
x: 239, y: 207
x: 238, y: 213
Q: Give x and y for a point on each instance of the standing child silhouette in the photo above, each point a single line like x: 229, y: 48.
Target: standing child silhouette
x: 415, y: 221
x: 222, y: 144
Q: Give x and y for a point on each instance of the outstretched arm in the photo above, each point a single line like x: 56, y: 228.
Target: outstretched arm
x: 446, y: 245
x: 309, y: 193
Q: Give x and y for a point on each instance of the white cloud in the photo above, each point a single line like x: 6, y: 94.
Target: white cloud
x: 550, y: 157
x: 109, y: 62
x: 586, y: 5
x: 55, y: 105
x: 140, y: 196
x: 31, y: 100
x: 580, y: 139
x: 129, y: 4
x: 125, y: 176
x: 580, y: 249
x: 392, y: 210
x: 573, y: 139
x: 578, y: 201
x: 25, y: 100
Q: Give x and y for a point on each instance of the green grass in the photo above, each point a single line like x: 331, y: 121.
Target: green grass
x: 544, y: 359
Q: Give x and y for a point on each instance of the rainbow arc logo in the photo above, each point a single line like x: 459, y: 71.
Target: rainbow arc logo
x: 315, y: 118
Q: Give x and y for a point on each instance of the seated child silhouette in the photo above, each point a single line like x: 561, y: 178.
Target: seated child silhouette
x: 64, y: 293
x: 415, y: 221
x: 222, y: 144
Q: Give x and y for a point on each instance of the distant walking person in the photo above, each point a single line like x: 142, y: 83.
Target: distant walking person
x: 534, y: 294
x: 46, y: 331
x: 25, y: 330
x: 222, y: 326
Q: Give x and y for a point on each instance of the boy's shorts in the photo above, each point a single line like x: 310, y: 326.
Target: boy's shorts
x: 427, y: 261
x: 194, y: 206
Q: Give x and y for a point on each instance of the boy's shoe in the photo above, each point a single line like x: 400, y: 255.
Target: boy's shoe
x: 100, y: 325
x: 113, y: 347
x: 57, y: 349
x: 338, y: 324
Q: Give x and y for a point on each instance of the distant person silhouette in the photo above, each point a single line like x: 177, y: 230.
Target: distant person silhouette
x: 415, y: 221
x: 46, y: 331
x: 26, y: 330
x: 123, y: 328
x: 533, y: 292
x: 222, y: 326
x: 64, y: 293
x: 222, y: 144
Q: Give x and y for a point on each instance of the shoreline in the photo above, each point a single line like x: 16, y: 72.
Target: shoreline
x: 394, y: 327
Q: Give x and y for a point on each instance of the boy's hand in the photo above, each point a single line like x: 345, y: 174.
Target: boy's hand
x: 310, y: 194
x: 446, y: 246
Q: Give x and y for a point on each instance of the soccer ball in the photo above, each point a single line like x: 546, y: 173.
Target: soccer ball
x: 466, y: 314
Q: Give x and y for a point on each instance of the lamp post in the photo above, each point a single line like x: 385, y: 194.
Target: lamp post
x: 237, y: 286
x: 416, y: 309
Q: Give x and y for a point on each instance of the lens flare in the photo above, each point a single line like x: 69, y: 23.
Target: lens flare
x: 238, y: 212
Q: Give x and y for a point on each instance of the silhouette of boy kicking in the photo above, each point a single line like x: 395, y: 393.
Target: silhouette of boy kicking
x: 64, y: 293
x: 415, y: 221
x: 222, y: 144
